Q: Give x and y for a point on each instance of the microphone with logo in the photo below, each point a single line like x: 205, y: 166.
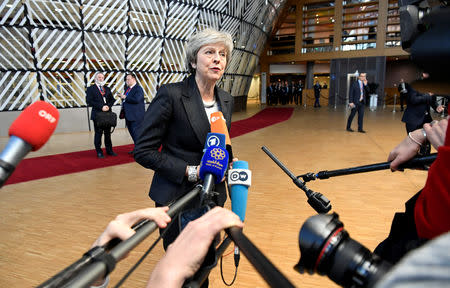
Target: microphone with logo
x: 212, y: 169
x: 219, y: 125
x: 239, y: 179
x: 214, y: 140
x: 29, y: 132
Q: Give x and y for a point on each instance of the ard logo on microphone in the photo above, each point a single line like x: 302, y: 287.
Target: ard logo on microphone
x: 44, y: 114
x: 213, y: 141
x: 239, y: 175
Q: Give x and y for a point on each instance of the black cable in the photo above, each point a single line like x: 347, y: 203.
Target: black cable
x: 125, y: 277
x: 221, y: 273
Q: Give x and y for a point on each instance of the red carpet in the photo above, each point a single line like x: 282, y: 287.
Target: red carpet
x: 60, y: 164
x: 262, y: 119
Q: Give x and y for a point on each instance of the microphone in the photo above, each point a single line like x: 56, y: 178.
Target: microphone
x: 214, y: 139
x: 219, y: 125
x: 29, y: 132
x: 239, y: 179
x: 212, y: 168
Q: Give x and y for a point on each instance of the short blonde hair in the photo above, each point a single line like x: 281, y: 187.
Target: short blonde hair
x: 202, y: 38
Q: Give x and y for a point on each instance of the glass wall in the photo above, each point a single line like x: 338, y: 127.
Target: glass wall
x: 359, y: 25
x: 318, y: 27
x: 51, y: 50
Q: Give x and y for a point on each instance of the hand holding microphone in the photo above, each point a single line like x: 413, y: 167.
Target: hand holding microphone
x: 29, y: 132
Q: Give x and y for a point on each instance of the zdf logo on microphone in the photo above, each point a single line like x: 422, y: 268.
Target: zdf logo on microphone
x: 44, y: 114
x: 215, y: 118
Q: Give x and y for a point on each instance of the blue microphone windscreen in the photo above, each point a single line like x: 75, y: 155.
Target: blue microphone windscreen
x: 215, y: 140
x: 214, y: 161
x: 240, y: 164
x: 239, y: 192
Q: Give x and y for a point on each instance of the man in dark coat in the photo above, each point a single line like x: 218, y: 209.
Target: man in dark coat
x: 134, y: 106
x: 100, y: 98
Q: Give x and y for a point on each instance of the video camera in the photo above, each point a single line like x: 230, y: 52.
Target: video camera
x: 425, y: 33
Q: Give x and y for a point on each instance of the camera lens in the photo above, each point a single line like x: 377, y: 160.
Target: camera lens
x: 327, y: 249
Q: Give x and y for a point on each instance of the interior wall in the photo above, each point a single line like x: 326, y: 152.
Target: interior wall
x: 254, y: 91
x: 395, y: 70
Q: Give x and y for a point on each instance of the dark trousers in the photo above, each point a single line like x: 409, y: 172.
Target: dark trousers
x: 316, y: 103
x: 133, y: 129
x: 174, y: 230
x: 98, y: 139
x: 403, y: 235
x: 360, y: 109
x: 402, y: 100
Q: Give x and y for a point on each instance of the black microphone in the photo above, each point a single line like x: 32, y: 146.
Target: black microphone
x: 316, y: 200
x: 29, y: 132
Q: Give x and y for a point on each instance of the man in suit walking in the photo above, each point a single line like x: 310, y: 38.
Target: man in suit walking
x: 357, y: 98
x: 133, y: 106
x: 100, y: 98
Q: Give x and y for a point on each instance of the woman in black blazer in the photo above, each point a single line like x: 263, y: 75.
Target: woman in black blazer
x: 177, y: 122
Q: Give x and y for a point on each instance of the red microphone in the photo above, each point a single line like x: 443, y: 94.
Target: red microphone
x: 29, y: 132
x: 219, y: 125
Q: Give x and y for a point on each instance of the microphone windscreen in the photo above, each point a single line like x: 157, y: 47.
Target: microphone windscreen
x: 35, y: 124
x: 214, y: 140
x: 239, y: 179
x: 214, y: 161
x: 219, y: 125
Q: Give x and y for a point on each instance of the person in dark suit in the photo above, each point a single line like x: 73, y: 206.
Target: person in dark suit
x: 270, y: 92
x: 317, y: 89
x: 299, y: 92
x: 357, y: 98
x: 133, y: 104
x: 178, y: 121
x: 290, y: 92
x: 417, y: 110
x: 100, y: 98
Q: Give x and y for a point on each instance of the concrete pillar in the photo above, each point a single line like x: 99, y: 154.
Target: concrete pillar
x: 309, y: 74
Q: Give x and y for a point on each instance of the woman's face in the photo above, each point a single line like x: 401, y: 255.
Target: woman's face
x: 211, y: 62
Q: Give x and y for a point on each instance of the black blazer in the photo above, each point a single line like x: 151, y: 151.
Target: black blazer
x: 355, y: 93
x: 177, y: 121
x: 418, y: 105
x: 134, y: 104
x: 94, y: 98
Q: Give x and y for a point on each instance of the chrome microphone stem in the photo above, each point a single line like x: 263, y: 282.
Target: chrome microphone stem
x: 16, y: 149
x: 207, y: 187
